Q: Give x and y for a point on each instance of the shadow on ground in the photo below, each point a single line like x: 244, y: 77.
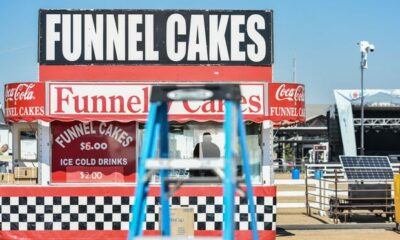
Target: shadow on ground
x: 280, y: 232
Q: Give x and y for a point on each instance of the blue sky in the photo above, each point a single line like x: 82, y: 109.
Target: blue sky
x: 322, y: 34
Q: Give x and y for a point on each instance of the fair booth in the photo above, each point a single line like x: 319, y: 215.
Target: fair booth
x: 78, y: 130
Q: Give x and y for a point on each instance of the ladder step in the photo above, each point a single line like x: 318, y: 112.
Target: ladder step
x: 198, y: 180
x: 194, y: 180
x: 176, y: 238
x: 189, y: 163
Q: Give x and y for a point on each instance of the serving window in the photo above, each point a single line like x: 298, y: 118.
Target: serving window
x: 207, y: 139
x: 21, y: 165
x: 28, y: 145
x: 107, y: 152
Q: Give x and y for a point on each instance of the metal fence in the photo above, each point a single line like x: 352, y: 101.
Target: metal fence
x: 290, y: 196
x: 287, y: 167
x: 341, y: 199
x: 324, y: 193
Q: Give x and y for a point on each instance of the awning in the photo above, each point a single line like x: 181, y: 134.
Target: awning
x: 129, y: 101
x: 24, y: 102
x: 116, y: 101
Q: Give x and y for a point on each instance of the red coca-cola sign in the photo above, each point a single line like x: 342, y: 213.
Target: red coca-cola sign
x: 290, y: 93
x: 24, y: 101
x: 93, y: 152
x: 286, y: 102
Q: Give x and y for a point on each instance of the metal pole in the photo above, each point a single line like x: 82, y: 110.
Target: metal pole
x: 335, y: 218
x: 294, y: 69
x: 307, y: 203
x: 362, y: 104
x: 320, y: 194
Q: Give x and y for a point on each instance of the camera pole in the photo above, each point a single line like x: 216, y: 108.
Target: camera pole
x: 365, y: 48
x: 363, y: 64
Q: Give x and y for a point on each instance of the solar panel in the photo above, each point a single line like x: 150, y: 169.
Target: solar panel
x: 367, y: 167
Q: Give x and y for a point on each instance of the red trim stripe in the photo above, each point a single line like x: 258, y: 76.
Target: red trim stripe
x: 89, y: 235
x: 154, y: 73
x: 23, y: 191
x: 129, y: 118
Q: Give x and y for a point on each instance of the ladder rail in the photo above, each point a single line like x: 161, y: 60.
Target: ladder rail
x: 247, y: 173
x: 164, y: 189
x: 151, y: 154
x: 135, y: 226
x: 229, y: 178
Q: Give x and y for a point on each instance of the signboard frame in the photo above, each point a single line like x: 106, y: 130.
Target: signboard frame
x: 216, y: 37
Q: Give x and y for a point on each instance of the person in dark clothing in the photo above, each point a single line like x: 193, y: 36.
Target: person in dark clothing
x: 206, y: 149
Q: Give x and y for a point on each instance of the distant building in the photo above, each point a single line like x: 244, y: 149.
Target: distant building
x: 381, y: 123
x: 302, y: 137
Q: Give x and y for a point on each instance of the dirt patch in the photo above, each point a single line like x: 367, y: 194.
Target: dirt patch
x: 286, y: 175
x: 362, y: 234
x: 296, y: 216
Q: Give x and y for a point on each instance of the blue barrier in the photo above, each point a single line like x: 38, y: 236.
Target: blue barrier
x: 295, y: 173
x: 318, y: 174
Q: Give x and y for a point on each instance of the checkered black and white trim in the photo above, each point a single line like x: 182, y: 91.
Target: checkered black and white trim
x: 113, y: 212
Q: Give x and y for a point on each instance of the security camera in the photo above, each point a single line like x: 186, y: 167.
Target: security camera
x: 371, y: 47
x: 366, y: 47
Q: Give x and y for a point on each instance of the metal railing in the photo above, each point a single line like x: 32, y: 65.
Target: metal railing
x: 320, y: 189
x: 287, y: 167
x: 341, y: 199
x: 291, y: 196
x: 328, y: 170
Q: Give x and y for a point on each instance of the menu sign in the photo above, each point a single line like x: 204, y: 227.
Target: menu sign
x: 93, y: 152
x: 286, y: 102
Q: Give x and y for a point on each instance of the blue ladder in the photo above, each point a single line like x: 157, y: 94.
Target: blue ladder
x: 156, y: 132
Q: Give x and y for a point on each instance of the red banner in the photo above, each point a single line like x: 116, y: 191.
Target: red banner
x: 93, y: 152
x: 130, y: 102
x: 286, y: 102
x: 24, y: 101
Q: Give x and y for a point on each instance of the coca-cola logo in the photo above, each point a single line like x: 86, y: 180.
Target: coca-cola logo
x: 290, y: 93
x: 355, y: 95
x: 23, y: 91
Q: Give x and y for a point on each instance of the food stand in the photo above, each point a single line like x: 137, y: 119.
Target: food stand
x: 78, y: 130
